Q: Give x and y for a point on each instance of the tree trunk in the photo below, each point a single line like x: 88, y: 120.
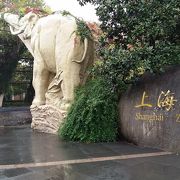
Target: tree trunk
x: 1, y: 99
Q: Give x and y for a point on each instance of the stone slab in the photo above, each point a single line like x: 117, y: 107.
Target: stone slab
x: 153, y: 120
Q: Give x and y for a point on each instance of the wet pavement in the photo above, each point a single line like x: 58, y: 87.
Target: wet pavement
x: 28, y: 155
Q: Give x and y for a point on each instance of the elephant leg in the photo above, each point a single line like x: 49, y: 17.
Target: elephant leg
x: 71, y: 79
x: 67, y: 54
x: 40, y: 84
x: 54, y: 93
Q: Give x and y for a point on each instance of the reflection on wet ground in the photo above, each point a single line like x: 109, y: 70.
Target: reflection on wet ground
x: 20, y: 146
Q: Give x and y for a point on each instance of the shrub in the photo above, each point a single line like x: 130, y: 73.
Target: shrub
x: 93, y: 115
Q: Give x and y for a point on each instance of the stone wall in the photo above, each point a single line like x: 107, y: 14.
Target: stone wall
x: 150, y: 111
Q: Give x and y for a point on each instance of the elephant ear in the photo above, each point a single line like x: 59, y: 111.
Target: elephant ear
x: 29, y: 20
x: 32, y: 17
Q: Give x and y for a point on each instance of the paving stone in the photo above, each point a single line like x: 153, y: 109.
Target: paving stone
x: 22, y: 145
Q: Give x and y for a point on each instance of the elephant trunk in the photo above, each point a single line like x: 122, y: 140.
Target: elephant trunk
x: 2, y: 15
x: 19, y: 31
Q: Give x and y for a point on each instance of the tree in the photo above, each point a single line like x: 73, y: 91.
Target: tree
x: 20, y: 6
x: 11, y: 48
x: 139, y: 36
x: 21, y: 82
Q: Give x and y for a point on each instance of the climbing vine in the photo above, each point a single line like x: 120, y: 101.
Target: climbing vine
x: 82, y: 29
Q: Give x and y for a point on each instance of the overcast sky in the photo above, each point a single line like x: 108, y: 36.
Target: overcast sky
x: 86, y: 12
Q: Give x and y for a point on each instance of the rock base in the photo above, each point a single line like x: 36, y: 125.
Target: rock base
x: 46, y: 118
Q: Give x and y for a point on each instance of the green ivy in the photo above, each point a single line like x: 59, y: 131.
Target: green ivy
x: 82, y: 29
x: 93, y: 115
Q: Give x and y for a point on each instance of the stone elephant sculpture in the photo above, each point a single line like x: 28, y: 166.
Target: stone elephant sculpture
x: 61, y: 58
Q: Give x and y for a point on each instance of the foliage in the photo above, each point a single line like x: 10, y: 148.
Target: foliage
x: 14, y: 62
x: 22, y: 76
x: 11, y: 49
x: 93, y: 115
x: 122, y: 67
x: 15, y: 103
x: 21, y: 82
x: 22, y: 7
x: 82, y: 28
x: 139, y: 36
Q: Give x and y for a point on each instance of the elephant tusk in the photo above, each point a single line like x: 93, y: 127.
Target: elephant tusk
x: 85, y: 51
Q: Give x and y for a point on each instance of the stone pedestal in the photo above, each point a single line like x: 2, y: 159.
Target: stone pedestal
x: 47, y: 118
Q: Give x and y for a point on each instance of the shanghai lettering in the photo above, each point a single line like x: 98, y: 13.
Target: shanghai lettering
x: 165, y: 100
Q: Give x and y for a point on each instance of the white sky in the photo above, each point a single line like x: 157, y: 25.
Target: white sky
x: 86, y: 12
